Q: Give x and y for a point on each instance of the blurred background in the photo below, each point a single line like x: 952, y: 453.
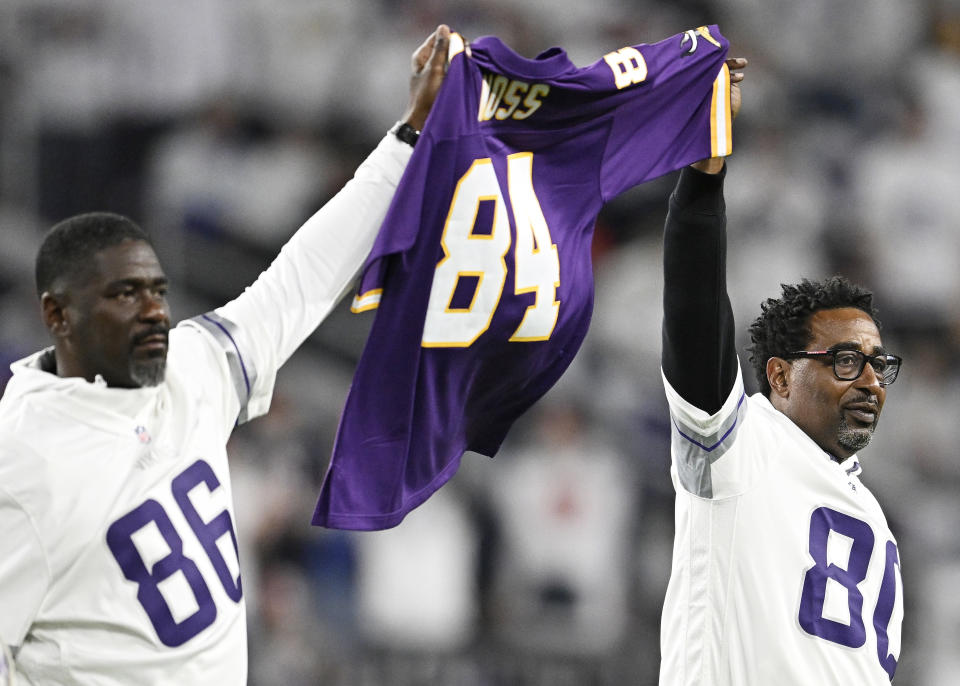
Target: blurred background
x: 221, y: 125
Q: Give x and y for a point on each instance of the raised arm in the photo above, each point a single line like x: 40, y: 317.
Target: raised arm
x: 318, y: 264
x: 699, y: 352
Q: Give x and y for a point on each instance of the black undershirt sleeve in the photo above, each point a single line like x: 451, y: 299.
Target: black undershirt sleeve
x: 699, y: 349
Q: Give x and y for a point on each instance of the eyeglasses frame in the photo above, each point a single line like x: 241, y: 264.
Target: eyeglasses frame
x: 863, y: 362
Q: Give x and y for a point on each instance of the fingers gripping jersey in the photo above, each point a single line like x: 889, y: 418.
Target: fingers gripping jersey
x: 784, y: 568
x: 482, y: 270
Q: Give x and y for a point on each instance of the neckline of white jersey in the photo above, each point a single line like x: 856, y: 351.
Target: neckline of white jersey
x: 851, y: 465
x: 77, y: 396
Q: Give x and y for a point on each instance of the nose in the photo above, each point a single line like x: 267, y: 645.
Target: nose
x: 870, y: 380
x: 153, y: 307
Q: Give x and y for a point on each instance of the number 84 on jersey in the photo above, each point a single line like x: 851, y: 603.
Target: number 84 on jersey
x: 468, y: 281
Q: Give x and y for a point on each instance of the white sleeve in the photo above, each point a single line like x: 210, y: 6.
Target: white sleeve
x: 698, y: 440
x: 24, y: 573
x: 273, y: 316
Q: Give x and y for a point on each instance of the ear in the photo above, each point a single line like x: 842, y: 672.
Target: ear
x: 52, y: 310
x: 778, y: 376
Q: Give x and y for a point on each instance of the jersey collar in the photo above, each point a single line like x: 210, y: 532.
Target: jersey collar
x: 852, y: 466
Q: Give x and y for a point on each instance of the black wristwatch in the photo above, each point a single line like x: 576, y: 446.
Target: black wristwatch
x: 405, y: 133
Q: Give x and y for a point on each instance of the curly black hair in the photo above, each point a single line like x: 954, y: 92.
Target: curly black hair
x: 68, y: 248
x: 784, y: 324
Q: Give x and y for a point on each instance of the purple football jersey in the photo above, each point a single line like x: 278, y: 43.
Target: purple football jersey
x: 482, y: 270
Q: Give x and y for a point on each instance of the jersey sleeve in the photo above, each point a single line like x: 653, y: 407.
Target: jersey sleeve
x: 259, y: 330
x: 24, y: 573
x: 674, y: 110
x: 699, y: 440
x: 701, y: 372
x: 398, y: 236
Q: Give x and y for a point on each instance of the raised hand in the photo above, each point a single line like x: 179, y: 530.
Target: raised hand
x: 429, y: 66
x: 736, y: 77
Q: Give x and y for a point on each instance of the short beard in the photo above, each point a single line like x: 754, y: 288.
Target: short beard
x: 854, y: 439
x: 150, y: 372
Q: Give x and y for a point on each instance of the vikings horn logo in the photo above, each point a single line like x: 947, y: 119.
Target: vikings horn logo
x: 691, y: 37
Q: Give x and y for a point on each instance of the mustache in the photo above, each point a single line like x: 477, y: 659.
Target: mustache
x: 864, y: 399
x: 157, y: 330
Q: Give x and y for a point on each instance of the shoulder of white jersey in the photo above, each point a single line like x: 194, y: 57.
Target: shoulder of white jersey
x: 230, y: 342
x: 688, y: 415
x: 19, y: 454
x: 699, y: 439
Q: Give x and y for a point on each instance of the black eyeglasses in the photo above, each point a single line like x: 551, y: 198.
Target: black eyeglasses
x: 849, y: 364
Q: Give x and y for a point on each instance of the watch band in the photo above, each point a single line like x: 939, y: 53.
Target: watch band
x: 405, y: 133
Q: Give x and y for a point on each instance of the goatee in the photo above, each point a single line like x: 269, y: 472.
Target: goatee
x: 854, y: 438
x: 149, y: 372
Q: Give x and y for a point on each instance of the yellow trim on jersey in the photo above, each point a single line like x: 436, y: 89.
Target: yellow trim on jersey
x: 721, y: 140
x: 705, y: 32
x: 524, y: 215
x: 485, y: 166
x: 366, y: 301
x: 473, y: 298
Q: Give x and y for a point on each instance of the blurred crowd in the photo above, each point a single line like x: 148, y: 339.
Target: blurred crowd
x: 221, y: 125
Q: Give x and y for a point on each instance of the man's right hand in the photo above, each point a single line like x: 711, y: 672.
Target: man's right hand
x: 713, y: 165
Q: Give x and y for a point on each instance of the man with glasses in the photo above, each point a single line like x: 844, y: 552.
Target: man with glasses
x: 784, y: 568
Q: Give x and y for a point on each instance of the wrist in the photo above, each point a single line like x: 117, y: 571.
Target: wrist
x: 711, y: 165
x: 699, y: 191
x: 406, y: 133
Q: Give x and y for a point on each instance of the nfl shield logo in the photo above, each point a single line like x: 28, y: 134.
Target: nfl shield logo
x: 142, y: 434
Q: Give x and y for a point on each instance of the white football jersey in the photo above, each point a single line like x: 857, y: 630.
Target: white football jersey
x: 784, y: 568
x: 118, y: 546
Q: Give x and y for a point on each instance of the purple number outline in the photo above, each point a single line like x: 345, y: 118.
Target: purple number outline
x: 822, y: 521
x: 208, y: 533
x: 120, y: 541
x: 884, y: 611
